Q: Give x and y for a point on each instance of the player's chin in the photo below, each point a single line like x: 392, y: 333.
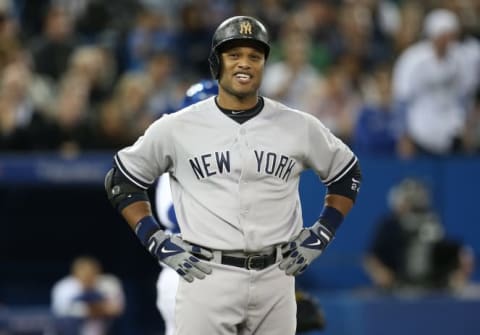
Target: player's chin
x: 245, y: 90
x: 245, y: 93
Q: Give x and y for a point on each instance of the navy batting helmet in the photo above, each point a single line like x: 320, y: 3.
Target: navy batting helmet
x: 200, y: 91
x: 233, y: 29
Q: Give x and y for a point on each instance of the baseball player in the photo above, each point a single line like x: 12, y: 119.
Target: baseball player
x: 235, y: 162
x: 168, y: 279
x: 87, y: 301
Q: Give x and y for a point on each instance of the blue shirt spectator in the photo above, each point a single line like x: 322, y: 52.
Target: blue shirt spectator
x: 374, y: 131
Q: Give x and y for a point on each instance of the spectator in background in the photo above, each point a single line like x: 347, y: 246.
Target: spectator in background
x: 74, y: 129
x: 410, y: 26
x: 453, y: 265
x: 51, y: 50
x: 132, y: 95
x: 365, y: 29
x: 149, y: 35
x: 320, y: 20
x: 399, y: 252
x: 193, y: 40
x: 99, y: 19
x: 87, y: 301
x: 291, y: 79
x: 23, y: 127
x: 95, y: 65
x: 355, y: 24
x: 111, y: 129
x: 427, y: 88
x: 385, y: 24
x: 161, y: 73
x: 92, y: 17
x: 30, y: 16
x: 336, y: 103
x: 469, y: 51
x: 274, y: 13
x: 468, y: 48
x: 409, y: 249
x: 375, y: 126
x: 9, y: 34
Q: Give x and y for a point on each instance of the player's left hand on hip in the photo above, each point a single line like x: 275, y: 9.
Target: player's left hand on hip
x: 303, y: 249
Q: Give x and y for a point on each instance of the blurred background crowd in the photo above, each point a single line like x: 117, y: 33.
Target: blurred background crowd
x: 89, y: 74
x: 395, y: 79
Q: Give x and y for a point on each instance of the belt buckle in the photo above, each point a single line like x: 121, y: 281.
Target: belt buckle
x: 249, y: 262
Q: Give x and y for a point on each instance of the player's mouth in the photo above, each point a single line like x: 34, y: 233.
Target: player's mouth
x: 243, y: 78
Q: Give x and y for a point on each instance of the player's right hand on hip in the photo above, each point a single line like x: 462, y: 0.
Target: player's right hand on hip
x: 172, y: 251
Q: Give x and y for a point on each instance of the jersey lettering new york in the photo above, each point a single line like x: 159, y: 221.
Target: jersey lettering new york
x: 269, y: 163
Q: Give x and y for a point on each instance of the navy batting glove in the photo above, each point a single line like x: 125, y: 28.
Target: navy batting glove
x: 172, y: 251
x: 303, y: 249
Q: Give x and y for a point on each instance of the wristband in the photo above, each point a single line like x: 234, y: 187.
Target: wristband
x: 331, y: 218
x: 145, y: 228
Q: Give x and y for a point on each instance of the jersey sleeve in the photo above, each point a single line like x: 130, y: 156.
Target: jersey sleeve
x: 327, y: 155
x: 149, y: 156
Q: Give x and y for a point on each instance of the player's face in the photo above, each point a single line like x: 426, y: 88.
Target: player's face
x: 242, y: 70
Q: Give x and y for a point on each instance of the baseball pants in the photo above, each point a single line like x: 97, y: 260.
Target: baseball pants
x: 237, y: 301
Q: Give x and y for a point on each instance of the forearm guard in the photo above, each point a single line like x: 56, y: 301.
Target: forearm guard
x: 120, y: 191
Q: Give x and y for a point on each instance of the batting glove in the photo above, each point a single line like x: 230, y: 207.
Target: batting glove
x: 303, y: 249
x: 172, y: 251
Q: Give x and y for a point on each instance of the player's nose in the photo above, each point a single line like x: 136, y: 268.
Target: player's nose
x: 244, y: 63
x: 244, y: 66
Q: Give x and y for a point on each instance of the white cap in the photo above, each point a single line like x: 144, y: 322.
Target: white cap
x: 439, y: 22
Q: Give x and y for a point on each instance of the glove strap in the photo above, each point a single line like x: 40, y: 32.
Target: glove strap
x: 323, y: 233
x: 145, y: 228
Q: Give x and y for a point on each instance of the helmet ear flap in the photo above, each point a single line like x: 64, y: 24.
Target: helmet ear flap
x: 214, y: 61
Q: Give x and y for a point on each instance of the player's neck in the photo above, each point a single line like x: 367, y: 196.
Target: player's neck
x: 231, y: 102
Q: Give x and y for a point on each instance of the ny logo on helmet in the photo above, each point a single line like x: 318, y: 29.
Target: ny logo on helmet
x: 245, y: 28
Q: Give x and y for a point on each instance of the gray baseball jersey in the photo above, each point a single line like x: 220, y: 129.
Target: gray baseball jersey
x: 235, y: 186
